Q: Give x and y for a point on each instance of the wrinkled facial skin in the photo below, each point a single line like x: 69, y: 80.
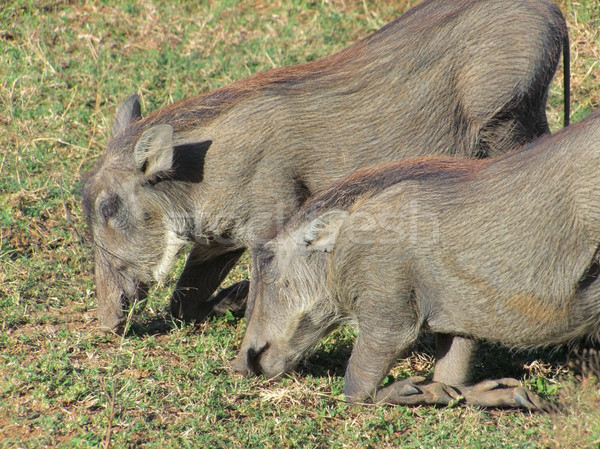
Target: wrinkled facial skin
x: 128, y: 234
x: 288, y: 312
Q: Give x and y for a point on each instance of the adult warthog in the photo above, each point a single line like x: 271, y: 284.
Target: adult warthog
x: 463, y: 78
x: 503, y: 249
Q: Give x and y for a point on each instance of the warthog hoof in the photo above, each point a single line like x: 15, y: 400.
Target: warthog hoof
x: 411, y: 392
x: 231, y: 298
x: 505, y: 392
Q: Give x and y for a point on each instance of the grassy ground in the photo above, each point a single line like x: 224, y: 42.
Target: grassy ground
x: 64, y: 68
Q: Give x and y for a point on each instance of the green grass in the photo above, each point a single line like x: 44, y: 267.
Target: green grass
x: 64, y: 68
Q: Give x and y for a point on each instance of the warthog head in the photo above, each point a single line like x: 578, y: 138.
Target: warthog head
x: 291, y: 305
x: 134, y: 239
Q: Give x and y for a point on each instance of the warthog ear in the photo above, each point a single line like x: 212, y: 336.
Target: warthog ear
x: 129, y: 111
x: 188, y: 161
x: 153, y: 152
x: 322, y: 232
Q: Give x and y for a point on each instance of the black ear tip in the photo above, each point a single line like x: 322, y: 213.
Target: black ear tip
x: 195, y: 148
x: 188, y: 160
x: 136, y: 107
x: 133, y: 97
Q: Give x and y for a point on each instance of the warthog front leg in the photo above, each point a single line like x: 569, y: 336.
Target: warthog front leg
x: 453, y: 367
x: 201, y: 276
x: 382, y: 338
x: 411, y: 391
x: 488, y: 393
x: 366, y: 369
x: 505, y: 392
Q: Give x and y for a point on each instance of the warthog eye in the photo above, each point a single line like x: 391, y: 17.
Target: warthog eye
x: 264, y: 258
x: 264, y: 262
x: 110, y: 207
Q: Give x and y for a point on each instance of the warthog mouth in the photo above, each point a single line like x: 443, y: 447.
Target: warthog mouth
x: 129, y: 301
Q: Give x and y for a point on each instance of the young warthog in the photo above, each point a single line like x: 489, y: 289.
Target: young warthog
x: 500, y: 249
x: 458, y: 77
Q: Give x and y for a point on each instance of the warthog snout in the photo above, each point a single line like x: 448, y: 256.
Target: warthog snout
x: 116, y: 316
x: 248, y: 362
x: 263, y: 358
x: 116, y: 295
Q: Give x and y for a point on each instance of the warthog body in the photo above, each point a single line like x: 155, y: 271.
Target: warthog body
x: 461, y: 78
x: 503, y: 249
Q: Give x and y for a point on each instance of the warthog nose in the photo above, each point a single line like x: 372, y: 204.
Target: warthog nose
x: 253, y: 358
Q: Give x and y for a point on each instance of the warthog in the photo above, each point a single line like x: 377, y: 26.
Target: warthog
x: 463, y: 78
x: 504, y: 249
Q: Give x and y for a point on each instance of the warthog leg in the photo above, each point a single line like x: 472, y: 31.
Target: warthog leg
x: 231, y: 298
x: 505, y: 392
x: 488, y: 393
x: 201, y: 276
x: 410, y: 392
